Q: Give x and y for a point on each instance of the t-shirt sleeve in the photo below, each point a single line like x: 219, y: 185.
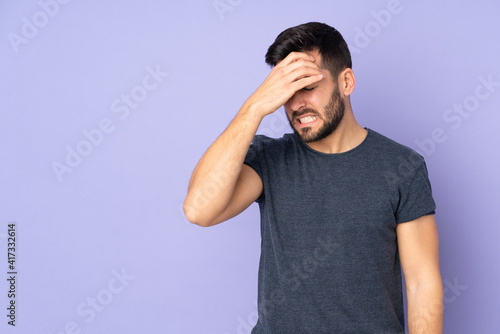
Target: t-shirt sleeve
x: 253, y: 159
x: 416, y: 201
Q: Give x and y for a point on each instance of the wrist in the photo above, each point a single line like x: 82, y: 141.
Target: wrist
x: 251, y: 110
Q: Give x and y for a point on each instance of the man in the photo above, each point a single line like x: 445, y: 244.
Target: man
x: 343, y: 208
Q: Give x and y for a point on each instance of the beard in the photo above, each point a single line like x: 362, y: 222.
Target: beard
x: 333, y: 114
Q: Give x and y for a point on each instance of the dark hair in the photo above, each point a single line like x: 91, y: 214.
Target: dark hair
x: 307, y: 37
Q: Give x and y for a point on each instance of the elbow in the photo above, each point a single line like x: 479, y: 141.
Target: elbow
x: 195, y: 216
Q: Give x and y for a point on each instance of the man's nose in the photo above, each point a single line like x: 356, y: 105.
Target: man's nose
x: 296, y: 102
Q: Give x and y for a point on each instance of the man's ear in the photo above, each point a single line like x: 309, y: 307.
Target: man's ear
x: 347, y: 81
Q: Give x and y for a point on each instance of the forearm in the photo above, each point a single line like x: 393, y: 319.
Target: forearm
x: 214, y: 178
x: 425, y: 308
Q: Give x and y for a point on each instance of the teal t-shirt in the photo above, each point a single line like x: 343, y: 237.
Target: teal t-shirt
x: 329, y: 259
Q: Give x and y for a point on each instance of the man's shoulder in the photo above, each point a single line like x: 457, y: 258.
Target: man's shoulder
x: 383, y: 145
x: 390, y: 154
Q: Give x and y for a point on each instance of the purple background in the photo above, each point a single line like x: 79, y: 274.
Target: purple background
x: 119, y: 209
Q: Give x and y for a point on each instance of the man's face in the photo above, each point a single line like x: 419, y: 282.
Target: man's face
x: 317, y: 110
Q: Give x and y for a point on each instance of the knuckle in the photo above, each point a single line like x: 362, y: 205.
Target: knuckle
x: 280, y: 70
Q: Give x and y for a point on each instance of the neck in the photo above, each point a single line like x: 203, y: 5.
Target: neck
x: 347, y: 136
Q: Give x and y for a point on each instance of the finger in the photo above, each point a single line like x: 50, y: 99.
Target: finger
x: 303, y: 72
x: 306, y: 81
x: 301, y: 63
x: 297, y: 67
x: 295, y: 56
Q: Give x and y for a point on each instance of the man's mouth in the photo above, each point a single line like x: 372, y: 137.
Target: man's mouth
x: 307, y: 119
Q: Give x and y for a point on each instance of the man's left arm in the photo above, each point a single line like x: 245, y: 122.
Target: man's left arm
x: 419, y: 255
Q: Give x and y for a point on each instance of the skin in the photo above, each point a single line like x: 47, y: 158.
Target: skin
x: 418, y: 246
x: 221, y: 186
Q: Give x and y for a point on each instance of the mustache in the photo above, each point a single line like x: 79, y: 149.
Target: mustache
x: 296, y: 114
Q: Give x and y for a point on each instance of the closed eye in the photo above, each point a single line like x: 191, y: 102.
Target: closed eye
x: 308, y: 89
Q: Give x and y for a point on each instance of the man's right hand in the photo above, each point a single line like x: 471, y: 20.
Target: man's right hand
x: 296, y: 71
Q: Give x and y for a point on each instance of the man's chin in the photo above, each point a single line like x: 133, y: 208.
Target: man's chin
x: 307, y: 135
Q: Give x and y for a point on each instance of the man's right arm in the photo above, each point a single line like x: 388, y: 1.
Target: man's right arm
x: 221, y: 185
x: 220, y: 173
